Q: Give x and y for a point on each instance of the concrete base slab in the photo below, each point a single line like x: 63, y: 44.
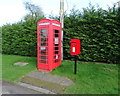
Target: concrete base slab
x: 45, y: 80
x: 51, y: 78
x: 20, y: 63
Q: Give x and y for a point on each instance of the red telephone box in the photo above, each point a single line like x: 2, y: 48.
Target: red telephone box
x: 48, y: 44
x: 75, y: 46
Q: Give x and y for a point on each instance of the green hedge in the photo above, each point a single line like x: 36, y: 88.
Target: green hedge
x: 20, y: 38
x: 99, y: 30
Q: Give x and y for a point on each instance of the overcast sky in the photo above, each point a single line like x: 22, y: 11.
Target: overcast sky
x: 13, y: 10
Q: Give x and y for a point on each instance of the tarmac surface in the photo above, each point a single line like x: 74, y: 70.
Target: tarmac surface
x: 12, y: 88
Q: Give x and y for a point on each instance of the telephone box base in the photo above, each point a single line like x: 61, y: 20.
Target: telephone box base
x: 45, y: 70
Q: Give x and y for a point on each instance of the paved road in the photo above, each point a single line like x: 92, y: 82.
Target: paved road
x: 11, y: 88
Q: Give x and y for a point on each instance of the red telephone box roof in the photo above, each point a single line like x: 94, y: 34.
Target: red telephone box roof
x: 49, y: 20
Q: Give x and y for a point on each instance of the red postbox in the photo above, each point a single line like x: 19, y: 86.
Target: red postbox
x: 48, y: 44
x: 75, y: 46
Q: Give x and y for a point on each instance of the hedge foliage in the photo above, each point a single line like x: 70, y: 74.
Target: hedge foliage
x: 20, y: 38
x: 100, y: 33
x: 99, y: 30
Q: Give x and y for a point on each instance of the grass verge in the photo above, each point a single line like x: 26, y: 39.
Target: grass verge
x: 91, y: 78
x: 14, y: 73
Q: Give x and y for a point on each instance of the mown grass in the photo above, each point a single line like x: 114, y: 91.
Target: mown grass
x: 91, y: 78
x: 14, y: 73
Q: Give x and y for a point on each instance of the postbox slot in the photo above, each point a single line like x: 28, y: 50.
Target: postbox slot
x: 73, y: 44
